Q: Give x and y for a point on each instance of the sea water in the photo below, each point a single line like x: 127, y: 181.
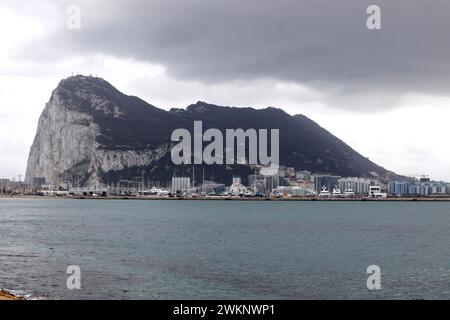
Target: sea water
x: 225, y: 249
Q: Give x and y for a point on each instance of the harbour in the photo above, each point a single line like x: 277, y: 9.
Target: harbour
x: 55, y: 196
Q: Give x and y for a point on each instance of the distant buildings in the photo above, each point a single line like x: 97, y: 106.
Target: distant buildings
x: 286, y: 183
x: 357, y: 186
x: 37, y: 182
x: 399, y: 188
x: 12, y: 186
x: 264, y: 184
x: 256, y: 181
x: 375, y: 192
x: 181, y: 184
x: 5, y: 184
x: 283, y: 182
x: 424, y: 187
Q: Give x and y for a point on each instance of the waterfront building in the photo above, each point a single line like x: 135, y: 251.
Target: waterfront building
x: 263, y: 184
x: 271, y: 183
x: 400, y: 188
x: 413, y: 189
x: 284, y: 182
x: 181, y: 184
x: 37, y: 182
x: 424, y: 187
x: 375, y: 192
x: 354, y: 186
x: 254, y: 179
x: 5, y: 185
x: 442, y: 188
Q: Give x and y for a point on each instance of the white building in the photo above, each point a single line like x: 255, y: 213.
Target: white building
x: 181, y: 184
x: 357, y: 186
x: 375, y: 192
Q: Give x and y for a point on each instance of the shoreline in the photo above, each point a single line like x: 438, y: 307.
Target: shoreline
x: 228, y: 198
x: 8, y: 296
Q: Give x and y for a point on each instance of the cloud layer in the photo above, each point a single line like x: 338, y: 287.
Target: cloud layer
x: 383, y: 92
x: 322, y: 44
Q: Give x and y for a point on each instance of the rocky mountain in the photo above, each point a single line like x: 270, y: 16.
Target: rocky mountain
x: 90, y: 132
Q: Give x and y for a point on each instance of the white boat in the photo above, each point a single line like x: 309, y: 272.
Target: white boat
x: 337, y: 192
x: 349, y: 194
x: 324, y: 193
x: 249, y: 193
x: 163, y: 192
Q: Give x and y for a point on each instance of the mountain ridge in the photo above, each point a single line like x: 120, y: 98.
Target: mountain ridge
x: 91, y: 132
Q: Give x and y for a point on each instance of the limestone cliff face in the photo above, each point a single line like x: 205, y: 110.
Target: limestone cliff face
x: 65, y: 138
x: 67, y: 147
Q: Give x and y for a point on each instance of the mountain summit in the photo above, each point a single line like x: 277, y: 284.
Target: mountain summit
x: 90, y: 132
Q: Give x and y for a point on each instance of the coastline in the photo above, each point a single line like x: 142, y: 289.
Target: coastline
x: 8, y: 296
x: 228, y: 198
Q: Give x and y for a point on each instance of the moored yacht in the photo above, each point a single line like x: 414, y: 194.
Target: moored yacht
x: 337, y: 192
x: 324, y: 193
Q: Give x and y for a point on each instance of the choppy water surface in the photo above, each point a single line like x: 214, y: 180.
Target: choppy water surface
x: 225, y: 249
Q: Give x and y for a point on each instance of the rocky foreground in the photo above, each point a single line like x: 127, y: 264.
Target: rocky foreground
x: 5, y: 295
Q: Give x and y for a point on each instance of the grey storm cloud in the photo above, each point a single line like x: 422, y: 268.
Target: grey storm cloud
x: 323, y: 44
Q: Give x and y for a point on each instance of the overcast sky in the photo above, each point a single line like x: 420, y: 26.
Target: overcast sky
x: 384, y: 92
